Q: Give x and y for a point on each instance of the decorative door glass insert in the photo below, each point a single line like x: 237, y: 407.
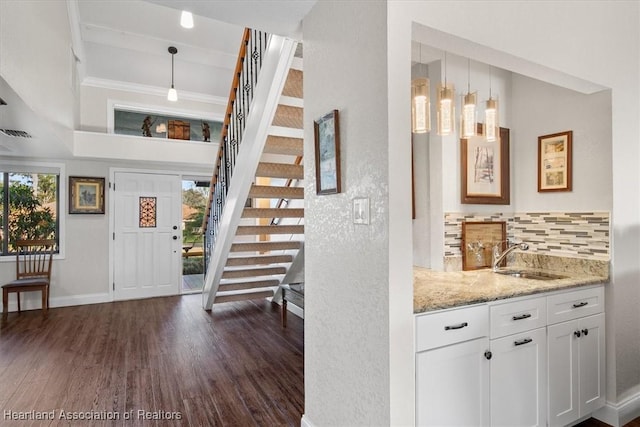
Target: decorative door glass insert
x: 148, y: 212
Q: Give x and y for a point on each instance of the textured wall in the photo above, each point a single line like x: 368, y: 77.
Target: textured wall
x: 347, y: 267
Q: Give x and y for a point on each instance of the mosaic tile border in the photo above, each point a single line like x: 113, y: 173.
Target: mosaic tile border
x: 568, y: 234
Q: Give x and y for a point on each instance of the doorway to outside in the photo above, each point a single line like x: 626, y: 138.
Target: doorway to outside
x: 195, y: 195
x: 146, y: 251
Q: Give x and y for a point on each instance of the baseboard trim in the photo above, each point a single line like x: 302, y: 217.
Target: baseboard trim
x: 33, y: 302
x: 619, y: 414
x: 304, y: 422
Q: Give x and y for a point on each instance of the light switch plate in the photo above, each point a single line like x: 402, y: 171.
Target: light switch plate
x: 361, y: 210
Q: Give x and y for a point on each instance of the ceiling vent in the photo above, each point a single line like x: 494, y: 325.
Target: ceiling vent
x: 15, y: 133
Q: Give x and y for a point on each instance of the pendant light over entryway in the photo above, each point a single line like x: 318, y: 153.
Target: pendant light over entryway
x: 173, y: 94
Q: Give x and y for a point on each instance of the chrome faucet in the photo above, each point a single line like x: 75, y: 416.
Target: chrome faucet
x: 497, y: 257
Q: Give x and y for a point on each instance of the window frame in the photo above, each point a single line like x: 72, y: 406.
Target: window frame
x: 42, y: 168
x: 113, y: 105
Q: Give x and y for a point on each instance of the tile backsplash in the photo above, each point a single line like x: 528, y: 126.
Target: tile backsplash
x: 567, y: 234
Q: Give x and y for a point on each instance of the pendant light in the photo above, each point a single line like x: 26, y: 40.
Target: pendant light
x: 446, y: 109
x: 491, y: 124
x: 420, y: 101
x: 172, y: 95
x: 468, y: 118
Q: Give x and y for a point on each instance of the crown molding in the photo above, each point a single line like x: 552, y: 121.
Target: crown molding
x: 151, y: 90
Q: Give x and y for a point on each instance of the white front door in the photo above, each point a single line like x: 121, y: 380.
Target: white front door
x: 148, y: 235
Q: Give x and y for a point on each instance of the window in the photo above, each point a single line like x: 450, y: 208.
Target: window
x: 159, y: 125
x: 29, y: 205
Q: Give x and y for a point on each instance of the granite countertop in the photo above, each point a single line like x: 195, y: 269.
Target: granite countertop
x: 435, y: 290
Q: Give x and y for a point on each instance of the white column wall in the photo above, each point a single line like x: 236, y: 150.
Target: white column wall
x: 346, y: 265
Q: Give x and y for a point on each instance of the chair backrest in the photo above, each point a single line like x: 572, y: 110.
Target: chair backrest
x: 34, y: 258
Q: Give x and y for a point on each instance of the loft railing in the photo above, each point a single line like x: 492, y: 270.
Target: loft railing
x: 248, y: 65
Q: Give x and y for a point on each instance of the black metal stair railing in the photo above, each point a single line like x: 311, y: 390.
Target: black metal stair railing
x: 248, y: 66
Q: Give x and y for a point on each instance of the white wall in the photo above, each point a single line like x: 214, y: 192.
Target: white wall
x: 594, y: 41
x: 82, y: 277
x: 347, y: 348
x: 540, y: 108
x: 95, y: 106
x: 36, y: 35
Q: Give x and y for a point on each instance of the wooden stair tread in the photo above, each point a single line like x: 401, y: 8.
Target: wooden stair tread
x: 280, y: 170
x: 258, y: 260
x: 248, y: 230
x: 253, y: 272
x: 284, y: 145
x: 228, y: 297
x: 273, y: 213
x: 288, y: 116
x: 247, y: 284
x: 266, y: 246
x: 273, y: 192
x: 293, y: 84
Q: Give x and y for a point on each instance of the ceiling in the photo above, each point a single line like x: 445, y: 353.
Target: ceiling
x: 124, y: 45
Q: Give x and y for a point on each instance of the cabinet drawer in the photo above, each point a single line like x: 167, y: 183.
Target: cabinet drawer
x: 448, y: 327
x: 572, y: 305
x: 514, y: 317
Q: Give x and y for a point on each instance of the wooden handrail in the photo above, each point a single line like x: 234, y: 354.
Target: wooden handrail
x: 227, y: 119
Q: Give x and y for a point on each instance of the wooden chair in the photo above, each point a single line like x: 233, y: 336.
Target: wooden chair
x: 33, y: 272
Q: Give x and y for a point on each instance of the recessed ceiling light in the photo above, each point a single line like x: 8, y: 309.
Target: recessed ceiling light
x: 186, y: 19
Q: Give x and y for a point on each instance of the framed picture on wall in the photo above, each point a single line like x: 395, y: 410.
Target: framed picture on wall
x: 554, y: 162
x: 484, y: 168
x: 86, y: 195
x: 478, y: 240
x: 327, y: 144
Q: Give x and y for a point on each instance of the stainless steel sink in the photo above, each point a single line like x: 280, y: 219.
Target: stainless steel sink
x: 530, y: 274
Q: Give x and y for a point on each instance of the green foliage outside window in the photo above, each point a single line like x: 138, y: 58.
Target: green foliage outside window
x: 31, y: 209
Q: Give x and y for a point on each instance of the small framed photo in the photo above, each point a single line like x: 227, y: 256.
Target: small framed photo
x: 86, y: 195
x: 478, y: 240
x: 484, y: 169
x: 327, y: 142
x: 554, y: 162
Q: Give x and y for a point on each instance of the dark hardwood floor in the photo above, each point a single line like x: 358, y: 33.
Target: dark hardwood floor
x: 235, y: 366
x: 592, y: 422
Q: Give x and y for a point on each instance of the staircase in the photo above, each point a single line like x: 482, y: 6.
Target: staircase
x: 256, y: 228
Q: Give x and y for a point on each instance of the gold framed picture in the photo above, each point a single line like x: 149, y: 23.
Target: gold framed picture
x: 86, y: 195
x: 554, y: 162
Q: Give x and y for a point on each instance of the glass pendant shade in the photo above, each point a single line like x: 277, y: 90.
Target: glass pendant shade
x: 445, y: 114
x: 172, y: 95
x: 468, y: 119
x: 491, y: 124
x: 420, y: 106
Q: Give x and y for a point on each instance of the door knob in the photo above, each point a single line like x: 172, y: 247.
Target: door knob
x: 585, y: 332
x: 488, y: 355
x: 175, y: 227
x: 577, y: 334
x: 175, y: 237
